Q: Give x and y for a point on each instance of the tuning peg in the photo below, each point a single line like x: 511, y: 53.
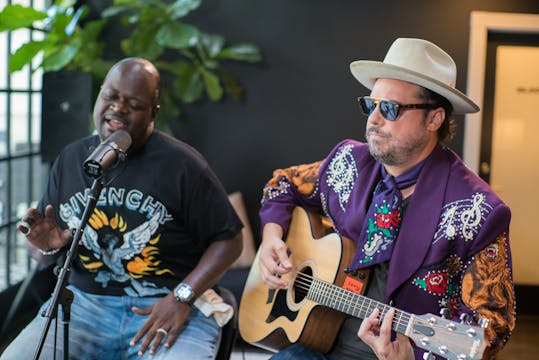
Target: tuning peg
x: 445, y: 313
x: 464, y: 318
x: 428, y: 356
x: 483, y: 322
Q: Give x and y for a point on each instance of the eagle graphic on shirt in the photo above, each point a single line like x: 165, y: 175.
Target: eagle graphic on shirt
x: 111, y: 251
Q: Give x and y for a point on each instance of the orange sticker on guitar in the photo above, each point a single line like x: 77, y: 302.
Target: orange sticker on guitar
x: 353, y: 285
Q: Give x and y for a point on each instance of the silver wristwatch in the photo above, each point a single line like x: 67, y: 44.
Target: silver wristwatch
x: 184, y: 293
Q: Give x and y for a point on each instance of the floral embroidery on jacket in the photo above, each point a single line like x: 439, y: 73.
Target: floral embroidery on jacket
x: 445, y: 284
x: 380, y: 231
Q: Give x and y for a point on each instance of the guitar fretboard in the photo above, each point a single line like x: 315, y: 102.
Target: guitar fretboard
x: 350, y: 303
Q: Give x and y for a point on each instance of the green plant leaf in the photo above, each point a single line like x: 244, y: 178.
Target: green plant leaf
x: 169, y: 108
x: 126, y: 46
x: 91, y: 31
x: 241, y: 52
x: 142, y: 42
x: 180, y: 8
x: 25, y: 54
x: 72, y: 26
x: 135, y: 3
x: 232, y: 86
x: 58, y: 25
x: 89, y: 55
x: 58, y: 57
x: 151, y: 16
x: 115, y: 10
x: 203, y: 58
x: 65, y: 4
x: 177, y: 35
x: 17, y: 16
x: 211, y: 64
x: 188, y: 83
x: 97, y: 67
x: 212, y: 85
x: 213, y: 44
x: 153, y: 30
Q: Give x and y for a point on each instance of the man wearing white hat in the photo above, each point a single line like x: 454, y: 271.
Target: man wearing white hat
x: 432, y: 234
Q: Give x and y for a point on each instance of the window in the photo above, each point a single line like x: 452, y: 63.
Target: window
x: 22, y: 174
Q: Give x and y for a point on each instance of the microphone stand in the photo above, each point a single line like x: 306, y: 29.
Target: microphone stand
x: 61, y: 294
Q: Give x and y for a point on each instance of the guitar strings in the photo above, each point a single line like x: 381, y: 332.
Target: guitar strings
x: 327, y: 290
x: 305, y: 284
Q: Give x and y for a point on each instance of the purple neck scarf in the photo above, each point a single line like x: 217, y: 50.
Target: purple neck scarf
x: 383, y: 219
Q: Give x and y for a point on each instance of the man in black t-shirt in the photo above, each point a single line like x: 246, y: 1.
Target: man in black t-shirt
x: 160, y: 236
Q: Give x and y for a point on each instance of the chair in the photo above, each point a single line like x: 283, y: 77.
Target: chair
x: 230, y: 330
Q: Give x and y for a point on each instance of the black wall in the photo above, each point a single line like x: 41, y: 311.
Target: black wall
x: 301, y: 99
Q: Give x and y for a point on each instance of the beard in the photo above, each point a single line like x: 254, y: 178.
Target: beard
x: 394, y: 151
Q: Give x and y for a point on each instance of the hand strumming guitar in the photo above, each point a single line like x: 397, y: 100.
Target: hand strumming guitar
x: 273, y: 258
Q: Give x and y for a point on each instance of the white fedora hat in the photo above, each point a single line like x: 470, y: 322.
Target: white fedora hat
x: 419, y: 62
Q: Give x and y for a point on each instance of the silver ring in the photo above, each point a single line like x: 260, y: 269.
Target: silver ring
x: 162, y: 331
x: 25, y: 225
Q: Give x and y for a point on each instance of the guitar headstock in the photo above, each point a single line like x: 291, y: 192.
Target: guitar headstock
x: 452, y: 340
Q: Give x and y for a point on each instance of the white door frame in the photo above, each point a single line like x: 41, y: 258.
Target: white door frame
x: 481, y: 22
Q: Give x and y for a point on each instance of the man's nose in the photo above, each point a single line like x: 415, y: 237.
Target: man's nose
x: 119, y: 106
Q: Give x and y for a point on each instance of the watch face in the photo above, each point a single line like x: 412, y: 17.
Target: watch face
x: 184, y: 293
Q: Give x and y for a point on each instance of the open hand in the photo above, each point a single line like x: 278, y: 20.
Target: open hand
x: 43, y: 231
x: 165, y: 321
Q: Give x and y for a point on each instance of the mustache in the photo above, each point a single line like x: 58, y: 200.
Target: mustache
x: 377, y: 131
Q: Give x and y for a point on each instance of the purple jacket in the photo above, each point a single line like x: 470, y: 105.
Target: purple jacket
x: 452, y: 250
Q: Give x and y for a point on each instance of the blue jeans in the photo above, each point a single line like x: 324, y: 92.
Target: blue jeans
x: 102, y: 326
x: 299, y: 352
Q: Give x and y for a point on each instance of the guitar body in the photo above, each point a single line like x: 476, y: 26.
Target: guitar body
x: 274, y: 319
x: 321, y: 294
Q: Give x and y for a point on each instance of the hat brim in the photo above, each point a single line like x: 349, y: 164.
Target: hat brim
x: 367, y: 71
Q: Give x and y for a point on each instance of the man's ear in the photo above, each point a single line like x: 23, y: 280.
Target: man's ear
x: 435, y: 119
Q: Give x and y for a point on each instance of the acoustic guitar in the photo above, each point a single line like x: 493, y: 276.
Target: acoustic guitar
x: 321, y: 294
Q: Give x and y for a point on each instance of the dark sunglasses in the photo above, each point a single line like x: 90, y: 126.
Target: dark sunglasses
x: 390, y: 110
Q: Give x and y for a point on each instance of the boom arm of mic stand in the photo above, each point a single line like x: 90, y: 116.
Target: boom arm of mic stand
x: 61, y: 294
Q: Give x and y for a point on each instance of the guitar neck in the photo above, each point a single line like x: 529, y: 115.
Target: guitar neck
x: 354, y: 304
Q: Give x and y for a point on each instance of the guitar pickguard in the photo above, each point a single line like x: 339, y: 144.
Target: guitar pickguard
x: 280, y: 308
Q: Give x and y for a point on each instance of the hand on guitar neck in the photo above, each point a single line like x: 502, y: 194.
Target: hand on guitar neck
x: 378, y: 337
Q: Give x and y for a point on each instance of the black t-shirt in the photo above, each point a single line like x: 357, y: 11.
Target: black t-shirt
x: 157, y: 213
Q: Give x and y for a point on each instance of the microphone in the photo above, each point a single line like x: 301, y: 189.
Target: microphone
x: 108, y: 154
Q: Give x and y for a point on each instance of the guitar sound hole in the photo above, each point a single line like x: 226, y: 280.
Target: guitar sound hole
x: 302, y: 284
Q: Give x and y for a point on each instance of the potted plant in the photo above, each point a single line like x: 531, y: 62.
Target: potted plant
x: 156, y: 29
